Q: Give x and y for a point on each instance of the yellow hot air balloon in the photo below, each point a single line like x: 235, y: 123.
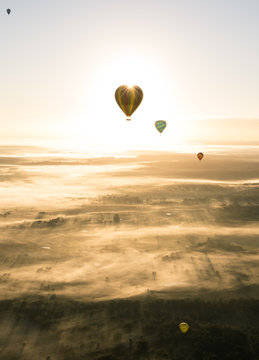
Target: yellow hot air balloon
x: 200, y: 155
x: 128, y: 98
x: 184, y: 327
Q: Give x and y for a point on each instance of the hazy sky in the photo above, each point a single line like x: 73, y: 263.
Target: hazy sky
x: 196, y: 61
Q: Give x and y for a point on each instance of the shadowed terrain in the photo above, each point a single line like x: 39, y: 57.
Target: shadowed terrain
x: 101, y: 257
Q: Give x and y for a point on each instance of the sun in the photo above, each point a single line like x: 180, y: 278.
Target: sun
x: 103, y: 122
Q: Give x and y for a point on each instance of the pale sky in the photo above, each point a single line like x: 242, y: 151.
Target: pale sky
x: 196, y: 62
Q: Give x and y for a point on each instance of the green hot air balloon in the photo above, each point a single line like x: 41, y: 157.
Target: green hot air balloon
x: 128, y: 98
x: 8, y: 11
x: 160, y: 125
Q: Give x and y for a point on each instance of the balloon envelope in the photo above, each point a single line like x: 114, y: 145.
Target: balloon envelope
x: 184, y: 327
x: 200, y: 155
x: 128, y: 98
x: 8, y: 11
x: 160, y: 125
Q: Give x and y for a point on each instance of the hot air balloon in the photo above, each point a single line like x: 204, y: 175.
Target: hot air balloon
x: 160, y: 125
x: 200, y: 155
x: 8, y: 11
x: 184, y: 327
x: 128, y: 98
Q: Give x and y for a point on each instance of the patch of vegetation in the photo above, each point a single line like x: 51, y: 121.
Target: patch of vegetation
x: 130, y: 329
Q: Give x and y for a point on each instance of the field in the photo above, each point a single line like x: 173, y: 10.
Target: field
x: 101, y: 257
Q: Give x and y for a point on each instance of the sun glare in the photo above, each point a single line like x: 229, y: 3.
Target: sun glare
x: 102, y: 122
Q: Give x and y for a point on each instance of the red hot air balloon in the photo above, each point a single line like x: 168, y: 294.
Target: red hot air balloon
x: 200, y: 155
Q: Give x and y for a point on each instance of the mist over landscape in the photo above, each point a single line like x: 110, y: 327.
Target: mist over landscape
x: 147, y: 226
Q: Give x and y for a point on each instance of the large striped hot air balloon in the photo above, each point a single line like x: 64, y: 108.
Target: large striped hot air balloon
x: 160, y: 125
x: 128, y: 98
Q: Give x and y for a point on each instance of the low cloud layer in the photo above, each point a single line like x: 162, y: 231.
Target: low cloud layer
x: 119, y: 227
